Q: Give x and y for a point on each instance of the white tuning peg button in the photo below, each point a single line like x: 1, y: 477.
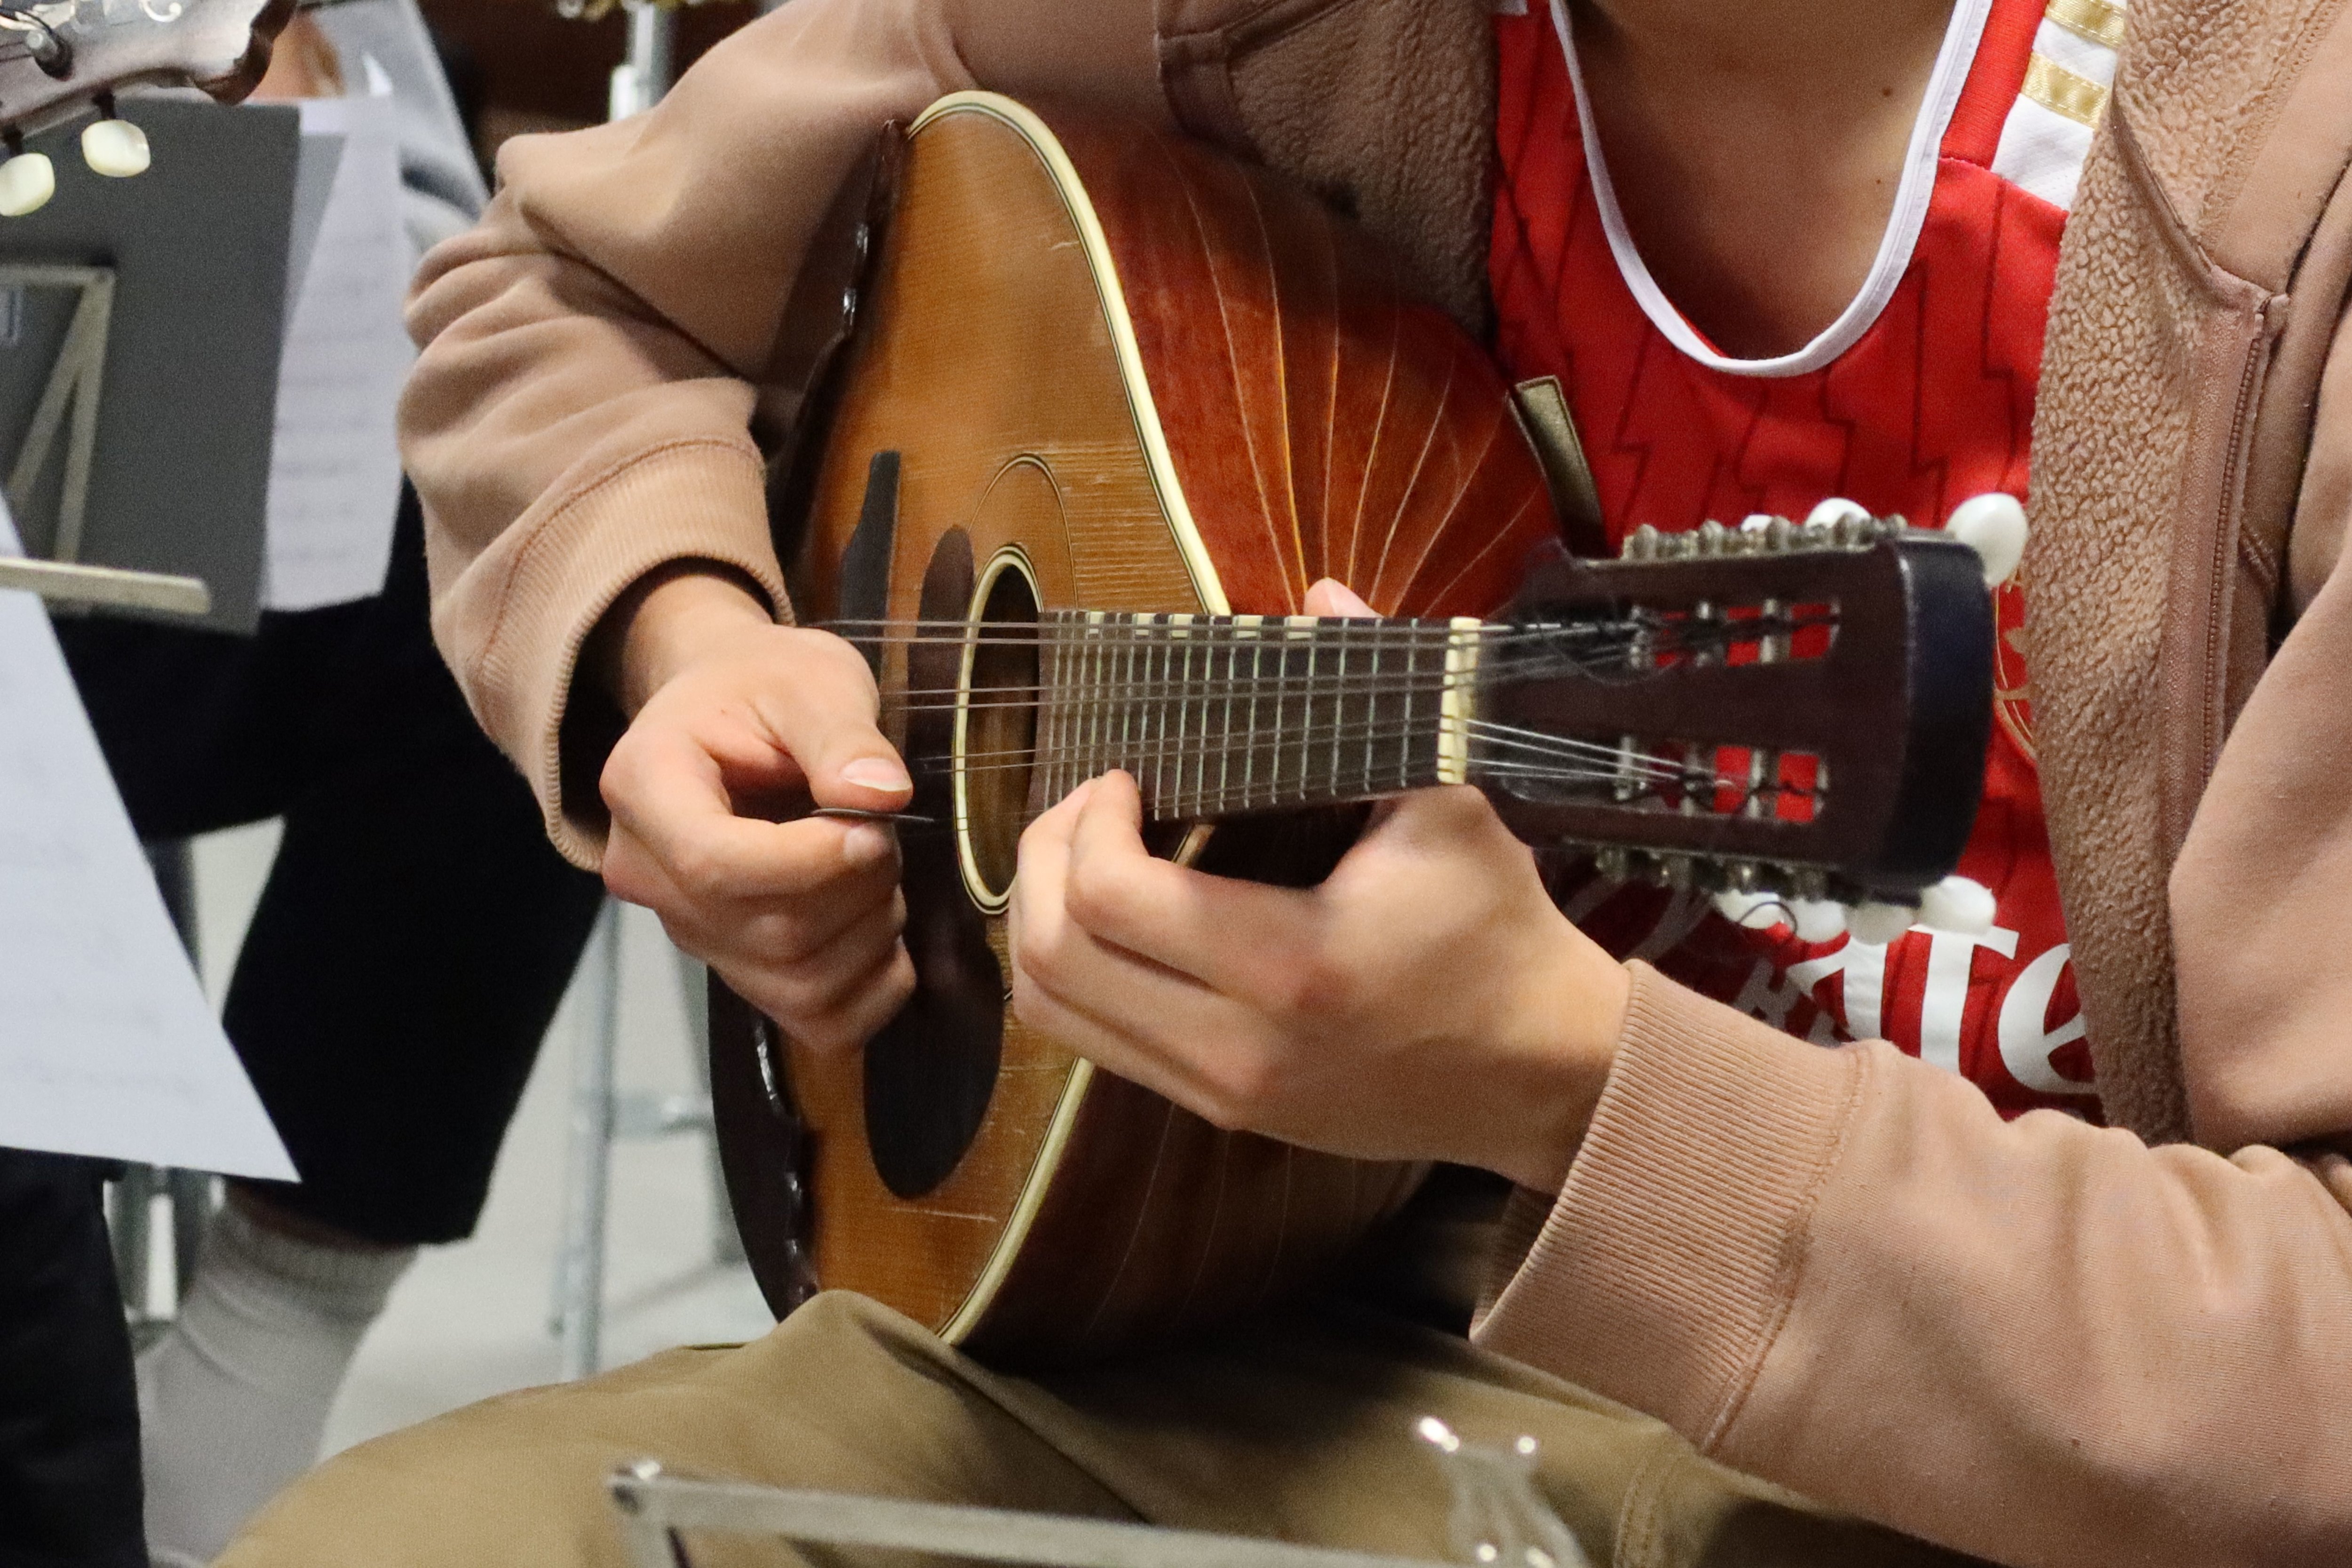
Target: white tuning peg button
x: 1957, y: 905
x: 1740, y: 909
x: 1817, y: 920
x: 1879, y: 924
x: 115, y: 148
x: 1993, y: 525
x: 27, y: 181
x: 1834, y: 510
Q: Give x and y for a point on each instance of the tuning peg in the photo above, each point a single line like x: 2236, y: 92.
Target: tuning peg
x: 1957, y: 904
x: 1817, y: 920
x: 28, y: 180
x: 1878, y: 923
x: 1837, y: 509
x: 113, y: 146
x: 1993, y: 525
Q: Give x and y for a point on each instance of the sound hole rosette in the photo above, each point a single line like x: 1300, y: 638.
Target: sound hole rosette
x: 998, y: 694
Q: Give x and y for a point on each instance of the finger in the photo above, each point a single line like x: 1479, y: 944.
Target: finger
x: 1221, y: 933
x: 665, y: 793
x: 1448, y: 818
x: 799, y: 929
x: 807, y: 996
x: 1329, y: 596
x: 867, y: 1006
x: 825, y: 718
x: 866, y: 1001
x: 1192, y: 1050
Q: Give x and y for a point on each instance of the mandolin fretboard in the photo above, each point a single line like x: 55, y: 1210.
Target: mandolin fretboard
x: 1217, y: 715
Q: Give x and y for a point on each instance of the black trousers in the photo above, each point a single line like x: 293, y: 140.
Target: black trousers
x: 417, y: 931
x: 69, y: 1490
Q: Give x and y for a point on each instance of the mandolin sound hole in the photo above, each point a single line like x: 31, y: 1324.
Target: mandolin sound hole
x: 999, y: 730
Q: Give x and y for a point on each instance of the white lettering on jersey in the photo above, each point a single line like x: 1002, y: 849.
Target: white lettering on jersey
x: 1863, y: 966
x: 1761, y: 998
x: 1943, y: 1010
x: 2026, y: 1043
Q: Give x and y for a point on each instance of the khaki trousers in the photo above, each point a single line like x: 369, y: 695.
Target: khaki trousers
x: 1297, y: 1425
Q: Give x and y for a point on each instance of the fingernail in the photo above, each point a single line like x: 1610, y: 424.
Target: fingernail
x: 877, y: 773
x: 864, y: 843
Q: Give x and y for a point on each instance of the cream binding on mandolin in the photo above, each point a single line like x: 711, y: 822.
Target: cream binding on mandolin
x: 1084, y: 409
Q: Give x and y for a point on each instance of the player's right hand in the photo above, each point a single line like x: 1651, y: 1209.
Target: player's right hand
x: 739, y: 723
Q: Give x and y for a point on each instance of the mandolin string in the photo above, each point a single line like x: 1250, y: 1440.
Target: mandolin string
x: 1217, y: 687
x: 1676, y: 633
x: 1506, y: 652
x: 1209, y: 685
x: 1316, y: 737
x: 1623, y: 768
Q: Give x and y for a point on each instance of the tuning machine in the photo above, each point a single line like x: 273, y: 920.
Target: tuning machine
x: 113, y: 146
x: 28, y: 180
x: 1956, y: 904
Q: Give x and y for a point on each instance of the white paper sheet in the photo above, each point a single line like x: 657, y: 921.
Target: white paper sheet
x: 334, y: 483
x: 106, y: 1046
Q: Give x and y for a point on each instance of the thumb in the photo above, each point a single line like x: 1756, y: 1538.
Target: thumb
x: 1329, y: 596
x: 827, y: 725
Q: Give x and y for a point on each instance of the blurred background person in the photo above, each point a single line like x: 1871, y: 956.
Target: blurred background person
x: 410, y: 947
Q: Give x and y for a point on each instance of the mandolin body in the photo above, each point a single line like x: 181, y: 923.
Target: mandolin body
x: 1102, y: 368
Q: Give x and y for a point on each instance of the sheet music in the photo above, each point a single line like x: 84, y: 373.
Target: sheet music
x: 106, y: 1046
x: 334, y: 482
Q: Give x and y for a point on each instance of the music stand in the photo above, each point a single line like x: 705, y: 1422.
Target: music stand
x: 141, y: 324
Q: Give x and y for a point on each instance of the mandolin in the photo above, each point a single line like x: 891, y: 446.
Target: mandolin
x: 1078, y: 411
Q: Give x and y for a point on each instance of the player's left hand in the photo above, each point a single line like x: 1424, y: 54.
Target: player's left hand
x: 1426, y: 1001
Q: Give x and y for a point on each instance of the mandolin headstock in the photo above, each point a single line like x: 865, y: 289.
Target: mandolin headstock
x: 60, y: 57
x: 1798, y: 709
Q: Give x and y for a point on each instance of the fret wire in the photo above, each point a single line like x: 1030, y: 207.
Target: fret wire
x: 1128, y: 716
x: 1345, y: 651
x: 1282, y: 723
x: 1340, y: 696
x: 1098, y: 717
x: 1226, y: 786
x: 1063, y: 669
x: 1193, y: 687
x: 1172, y: 728
x: 1307, y: 735
x: 1196, y: 691
x: 1201, y: 695
x: 1161, y: 744
x: 1049, y: 717
x: 1257, y: 677
x: 1062, y: 718
x: 1153, y: 718
x: 1183, y: 717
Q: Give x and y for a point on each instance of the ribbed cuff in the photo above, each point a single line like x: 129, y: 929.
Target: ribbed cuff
x: 1670, y: 1261
x: 691, y: 501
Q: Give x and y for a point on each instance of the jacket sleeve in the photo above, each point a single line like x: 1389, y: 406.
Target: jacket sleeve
x: 2039, y: 1340
x: 581, y: 412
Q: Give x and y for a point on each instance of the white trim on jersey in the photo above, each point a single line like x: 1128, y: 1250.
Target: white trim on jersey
x: 2043, y: 144
x: 1894, y: 258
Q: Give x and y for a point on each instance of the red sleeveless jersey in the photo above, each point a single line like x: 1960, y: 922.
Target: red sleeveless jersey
x: 1919, y: 396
